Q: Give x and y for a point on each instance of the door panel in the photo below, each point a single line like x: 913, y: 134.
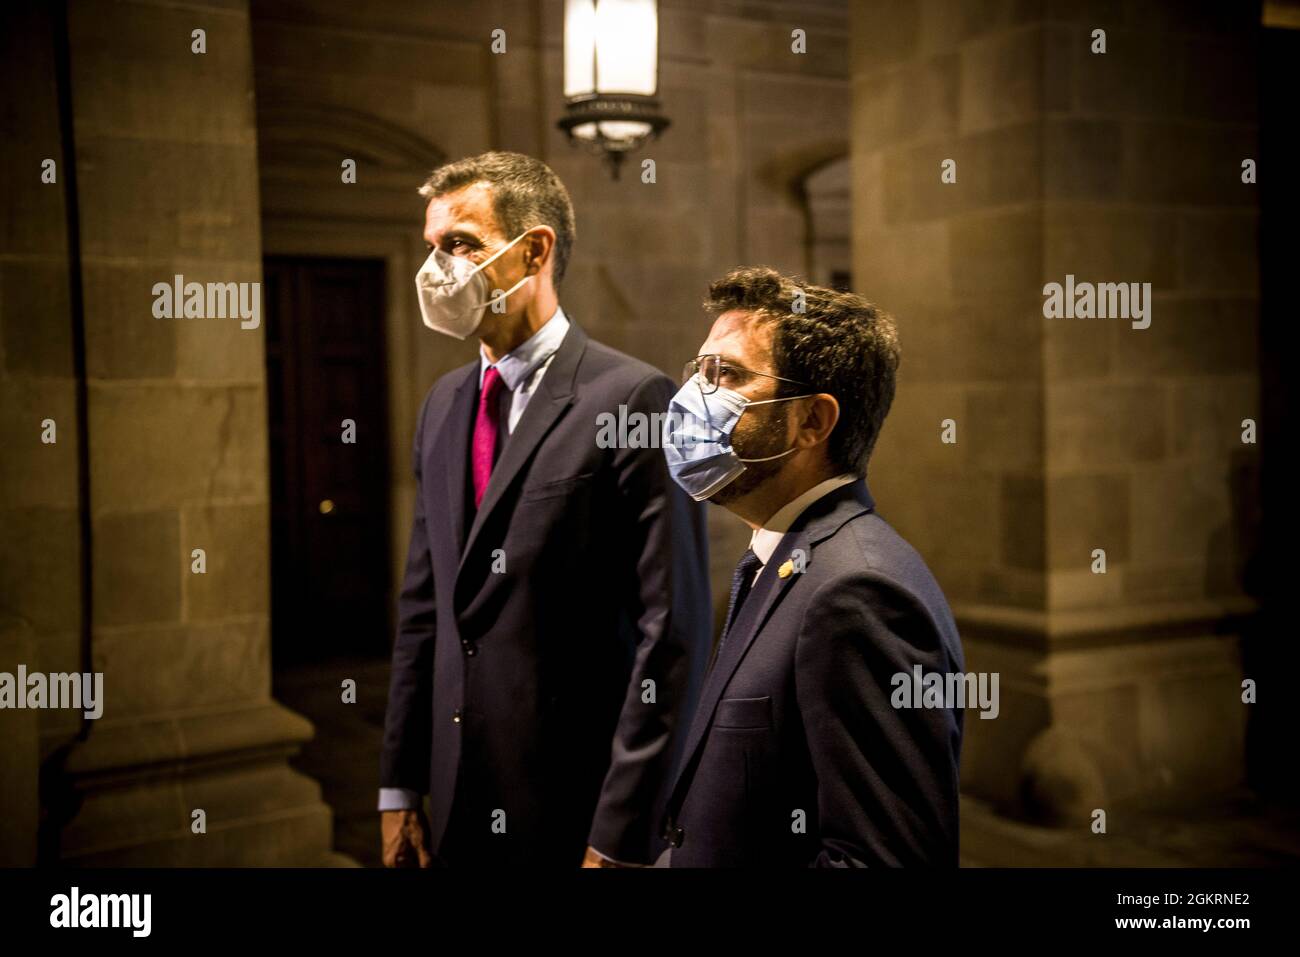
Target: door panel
x: 329, y: 498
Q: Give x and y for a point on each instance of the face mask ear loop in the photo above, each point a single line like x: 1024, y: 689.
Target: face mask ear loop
x: 784, y: 398
x: 479, y: 267
x: 499, y: 298
x: 501, y: 252
x: 767, y: 458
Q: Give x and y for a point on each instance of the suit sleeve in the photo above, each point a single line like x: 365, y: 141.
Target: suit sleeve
x: 667, y: 596
x: 886, y: 776
x: 404, y: 758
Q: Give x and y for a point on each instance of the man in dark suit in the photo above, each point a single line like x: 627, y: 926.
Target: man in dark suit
x: 799, y: 753
x: 553, y: 620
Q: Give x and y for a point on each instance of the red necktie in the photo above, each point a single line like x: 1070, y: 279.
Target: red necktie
x: 483, y: 451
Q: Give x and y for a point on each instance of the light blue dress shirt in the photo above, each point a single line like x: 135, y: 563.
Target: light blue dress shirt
x: 522, y: 369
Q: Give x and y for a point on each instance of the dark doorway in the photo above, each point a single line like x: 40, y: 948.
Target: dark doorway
x: 329, y: 496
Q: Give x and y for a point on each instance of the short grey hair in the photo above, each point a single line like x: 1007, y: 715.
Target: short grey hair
x: 525, y: 193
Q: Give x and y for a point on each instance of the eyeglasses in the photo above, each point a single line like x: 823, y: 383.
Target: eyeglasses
x: 714, y: 371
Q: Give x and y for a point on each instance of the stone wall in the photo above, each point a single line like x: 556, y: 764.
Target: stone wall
x: 1071, y: 434
x: 40, y: 545
x: 175, y: 445
x: 750, y: 121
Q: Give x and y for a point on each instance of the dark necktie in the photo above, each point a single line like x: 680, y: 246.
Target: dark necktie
x: 742, y: 580
x: 483, y: 450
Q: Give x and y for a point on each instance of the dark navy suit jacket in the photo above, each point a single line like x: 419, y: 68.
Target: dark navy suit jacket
x: 796, y: 756
x: 552, y: 641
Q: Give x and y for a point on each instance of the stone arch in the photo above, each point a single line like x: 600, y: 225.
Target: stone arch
x: 815, y: 179
x: 290, y: 134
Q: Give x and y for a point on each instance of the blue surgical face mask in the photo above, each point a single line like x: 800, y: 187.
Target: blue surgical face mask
x: 697, y: 438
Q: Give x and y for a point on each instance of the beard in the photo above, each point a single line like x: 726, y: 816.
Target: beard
x: 767, y: 438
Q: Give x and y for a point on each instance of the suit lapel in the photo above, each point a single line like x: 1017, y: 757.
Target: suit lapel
x: 818, y: 522
x: 451, y: 446
x: 553, y: 396
x: 767, y: 591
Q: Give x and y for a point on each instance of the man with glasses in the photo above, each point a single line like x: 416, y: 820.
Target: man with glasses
x: 801, y: 751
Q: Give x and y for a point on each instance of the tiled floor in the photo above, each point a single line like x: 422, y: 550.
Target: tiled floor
x: 344, y: 755
x: 1238, y: 832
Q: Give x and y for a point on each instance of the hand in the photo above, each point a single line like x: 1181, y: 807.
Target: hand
x: 405, y: 836
x: 592, y: 859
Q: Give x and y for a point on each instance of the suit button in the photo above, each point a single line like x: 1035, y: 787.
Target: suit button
x: 468, y: 647
x: 673, y: 834
x: 455, y: 716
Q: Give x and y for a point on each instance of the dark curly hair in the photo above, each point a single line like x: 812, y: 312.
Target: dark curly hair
x: 837, y: 342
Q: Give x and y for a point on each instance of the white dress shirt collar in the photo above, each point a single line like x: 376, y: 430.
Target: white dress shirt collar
x: 765, y: 539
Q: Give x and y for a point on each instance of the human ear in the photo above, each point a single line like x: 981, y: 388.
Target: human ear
x: 538, y: 246
x: 819, y: 420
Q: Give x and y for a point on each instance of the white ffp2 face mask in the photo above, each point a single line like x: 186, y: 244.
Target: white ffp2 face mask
x: 454, y: 294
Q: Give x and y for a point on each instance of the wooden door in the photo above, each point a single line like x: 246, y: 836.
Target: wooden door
x: 328, y: 458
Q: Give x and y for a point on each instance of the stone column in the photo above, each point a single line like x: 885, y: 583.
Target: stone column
x: 39, y: 538
x: 1071, y: 435
x: 166, y: 185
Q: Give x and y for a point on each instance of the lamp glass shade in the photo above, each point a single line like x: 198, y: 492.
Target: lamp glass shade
x: 610, y: 46
x: 616, y: 133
